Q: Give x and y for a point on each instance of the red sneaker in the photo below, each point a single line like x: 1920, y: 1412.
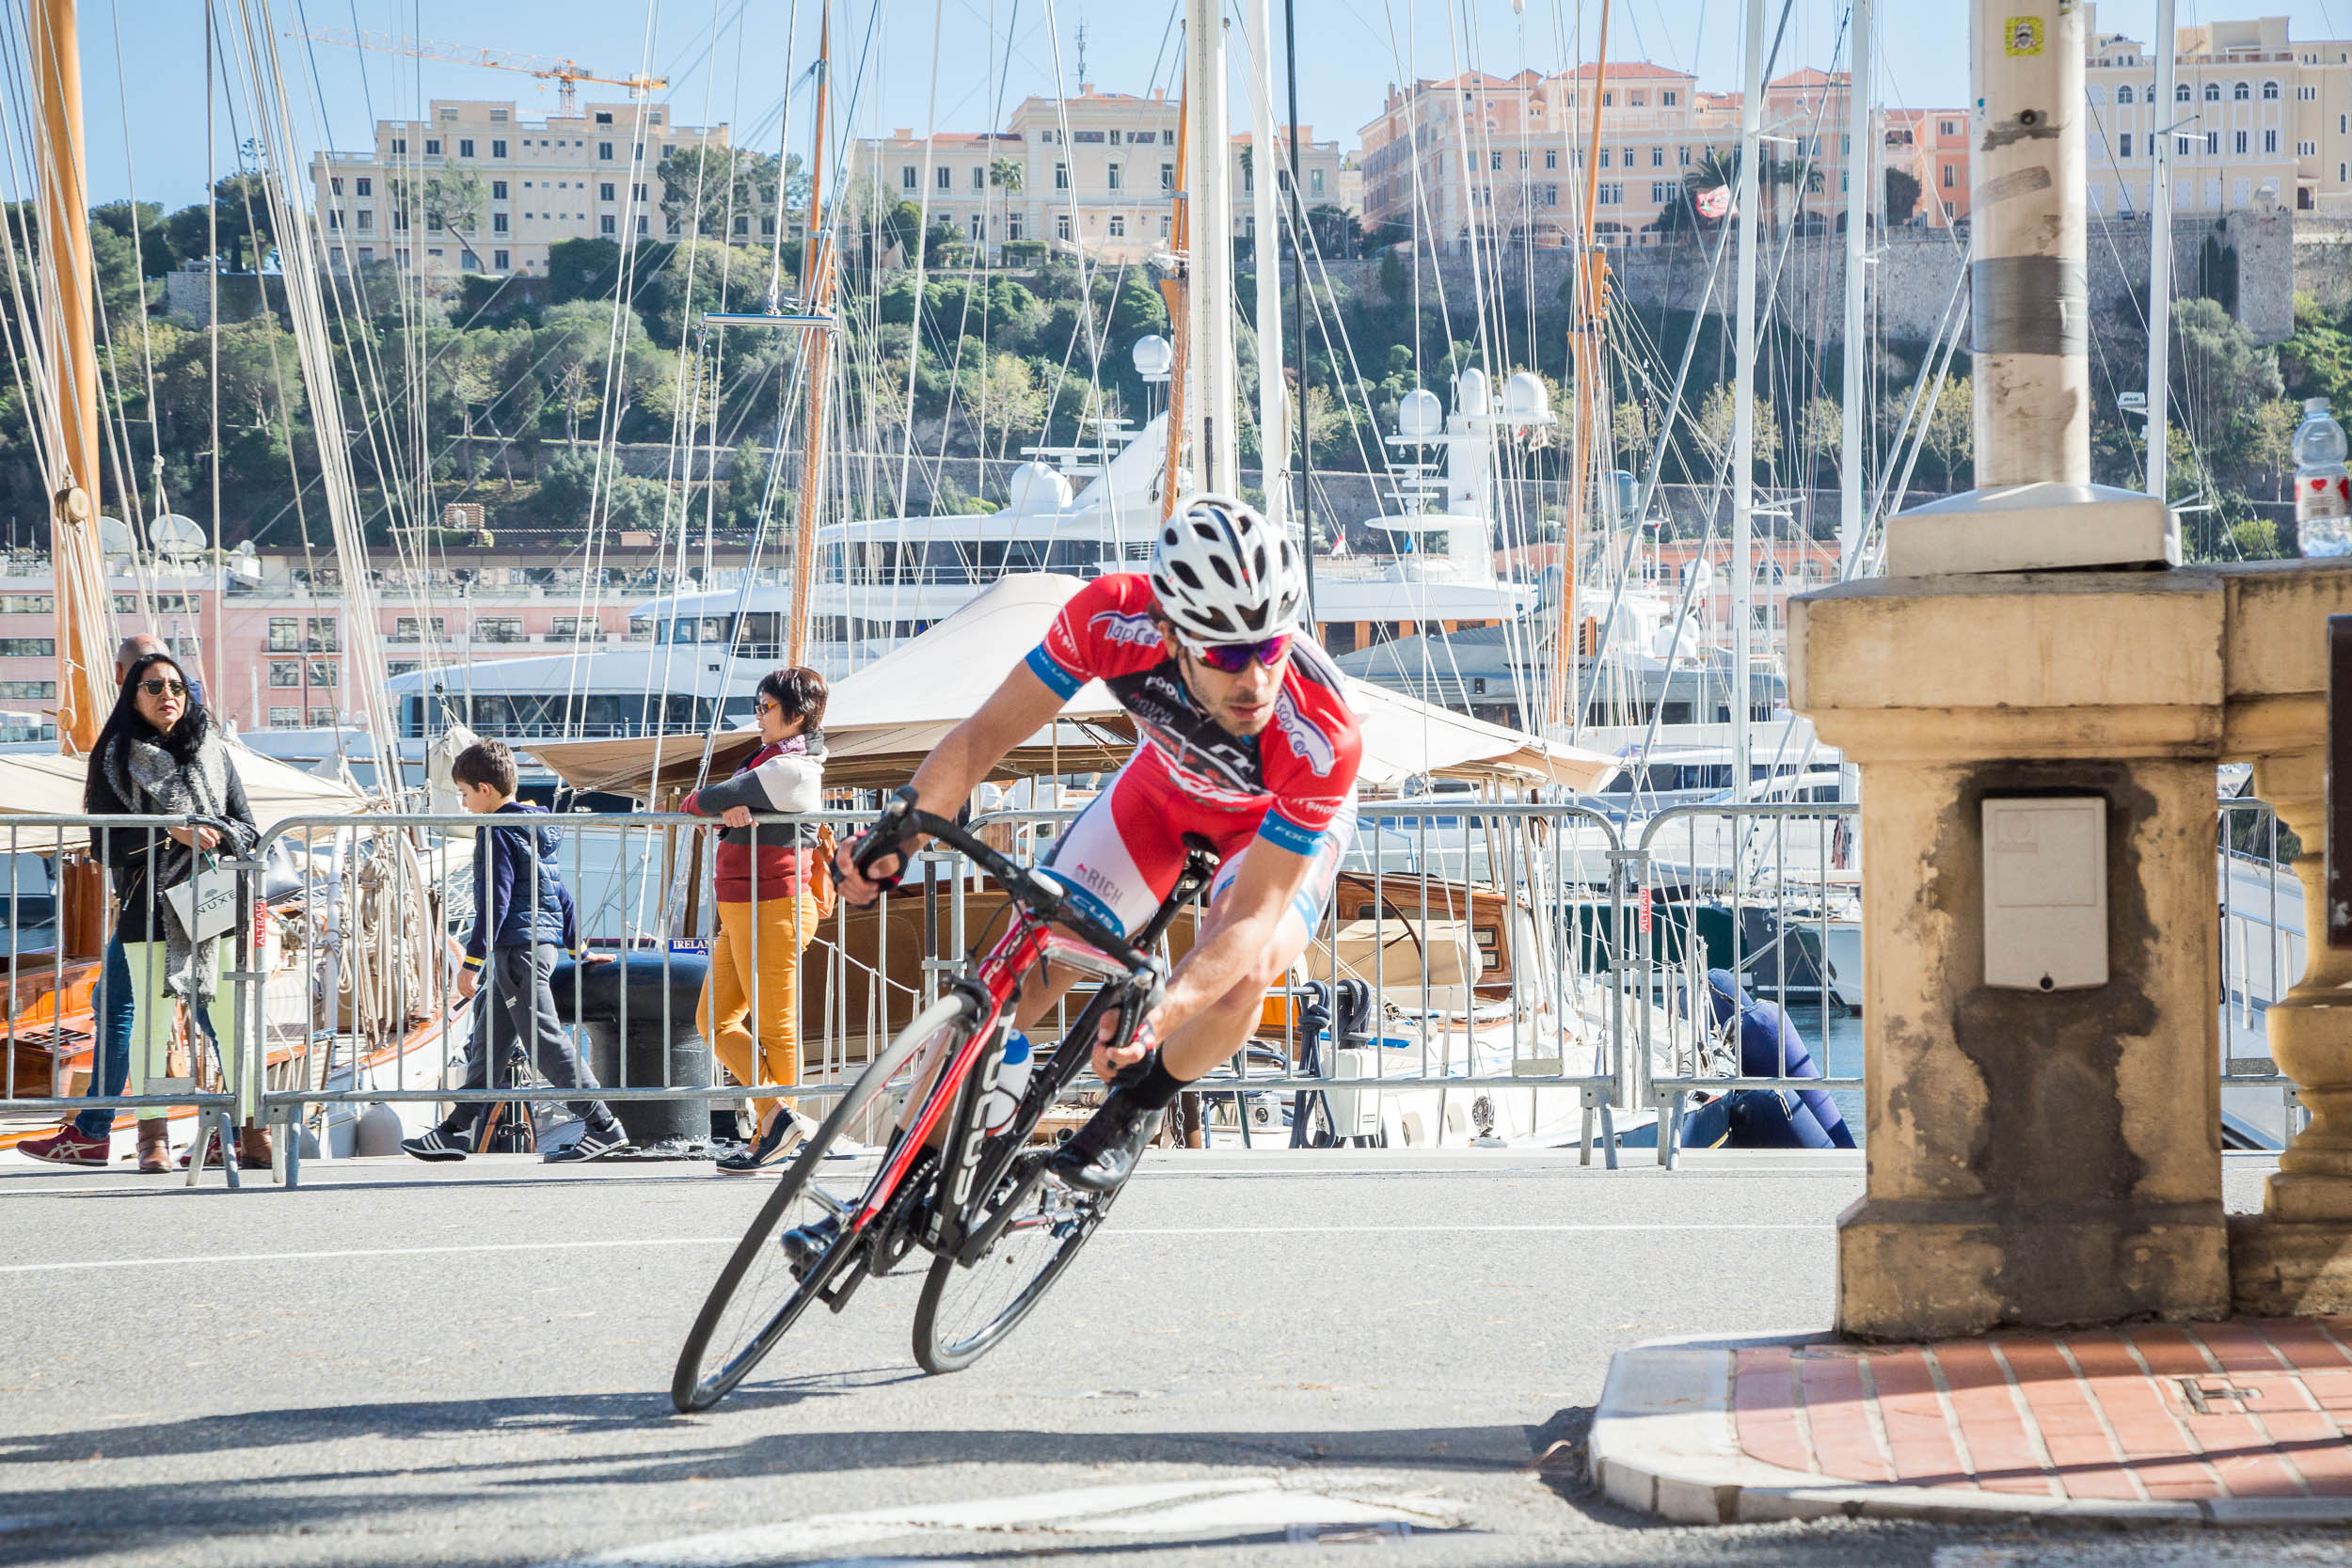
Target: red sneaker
x: 67, y: 1146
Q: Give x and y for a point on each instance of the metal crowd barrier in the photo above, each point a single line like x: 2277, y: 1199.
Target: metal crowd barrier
x: 1491, y: 972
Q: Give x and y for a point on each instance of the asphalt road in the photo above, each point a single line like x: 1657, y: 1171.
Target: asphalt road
x: 1261, y: 1356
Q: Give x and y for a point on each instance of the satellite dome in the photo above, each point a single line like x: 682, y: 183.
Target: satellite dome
x: 1035, y: 489
x: 1469, y: 391
x: 1419, y: 415
x: 1154, y: 357
x: 1525, y: 399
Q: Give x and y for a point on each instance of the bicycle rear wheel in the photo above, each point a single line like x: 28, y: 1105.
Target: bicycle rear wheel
x: 966, y: 1312
x: 757, y: 1297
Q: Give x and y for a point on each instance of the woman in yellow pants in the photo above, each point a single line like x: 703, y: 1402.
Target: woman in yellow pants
x: 767, y: 910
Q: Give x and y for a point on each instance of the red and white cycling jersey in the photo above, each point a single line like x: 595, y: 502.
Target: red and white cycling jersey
x: 1290, y: 784
x: 1293, y: 785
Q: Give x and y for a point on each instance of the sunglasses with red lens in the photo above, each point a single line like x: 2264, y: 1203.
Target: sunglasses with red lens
x: 1234, y: 658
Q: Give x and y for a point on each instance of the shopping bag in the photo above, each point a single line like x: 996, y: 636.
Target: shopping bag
x: 207, y: 903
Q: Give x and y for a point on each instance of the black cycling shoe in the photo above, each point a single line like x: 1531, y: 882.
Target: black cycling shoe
x: 806, y: 1246
x: 1102, y: 1153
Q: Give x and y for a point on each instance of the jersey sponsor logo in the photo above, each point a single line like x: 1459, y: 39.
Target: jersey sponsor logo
x: 1314, y: 748
x: 1118, y: 626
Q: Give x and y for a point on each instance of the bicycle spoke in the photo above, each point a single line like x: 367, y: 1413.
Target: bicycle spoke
x: 966, y: 1312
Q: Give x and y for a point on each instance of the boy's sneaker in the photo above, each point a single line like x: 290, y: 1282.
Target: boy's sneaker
x: 594, y: 1143
x: 67, y: 1146
x: 435, y: 1145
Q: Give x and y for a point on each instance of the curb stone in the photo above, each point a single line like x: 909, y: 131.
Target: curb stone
x: 1662, y: 1442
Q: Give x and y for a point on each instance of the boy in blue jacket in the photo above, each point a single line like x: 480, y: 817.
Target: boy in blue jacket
x: 524, y: 921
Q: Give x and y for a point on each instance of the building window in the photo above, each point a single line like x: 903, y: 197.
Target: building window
x: 29, y: 647
x: 1314, y: 182
x: 335, y: 184
x: 499, y: 628
x: 498, y: 149
x: 1604, y: 157
x: 1166, y: 223
x: 979, y: 178
x: 1669, y: 97
x: 334, y: 218
x: 604, y: 152
x: 1494, y: 161
x: 1682, y: 157
x: 608, y: 225
x: 465, y: 147
x: 2238, y: 144
x: 400, y: 147
x: 604, y: 116
x: 605, y: 190
x: 2241, y: 92
x: 944, y: 177
x: 285, y: 634
x: 432, y: 147
x: 285, y: 719
x: 1950, y: 174
x: 1062, y: 226
x: 497, y: 223
x: 637, y: 191
x: 2270, y: 141
x: 326, y: 634
x: 642, y: 228
x: 2213, y: 93
x: 1611, y: 193
x: 2123, y: 93
x: 2307, y: 149
x: 1948, y: 128
x: 2270, y: 92
x: 2212, y: 141
x: 1167, y: 177
x: 1012, y: 225
x: 2123, y: 145
x: 574, y: 628
x: 498, y: 190
x: 497, y: 261
x: 321, y: 717
x: 34, y: 690
x: 906, y: 177
x: 1119, y: 226
x: 1061, y: 177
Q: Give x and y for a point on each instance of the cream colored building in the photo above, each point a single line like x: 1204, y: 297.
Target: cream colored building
x: 1503, y: 157
x: 1096, y: 172
x: 2257, y: 116
x: 585, y: 176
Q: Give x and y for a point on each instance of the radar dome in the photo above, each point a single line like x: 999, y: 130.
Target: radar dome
x: 1525, y: 399
x: 1154, y: 357
x: 1469, y: 391
x: 1419, y: 414
x: 1035, y: 489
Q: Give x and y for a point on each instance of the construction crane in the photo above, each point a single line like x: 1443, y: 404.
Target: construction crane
x: 564, y: 73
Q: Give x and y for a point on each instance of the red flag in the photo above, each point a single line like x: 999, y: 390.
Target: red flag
x: 1714, y: 204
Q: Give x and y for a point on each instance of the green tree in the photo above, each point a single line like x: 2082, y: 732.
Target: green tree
x: 1903, y: 196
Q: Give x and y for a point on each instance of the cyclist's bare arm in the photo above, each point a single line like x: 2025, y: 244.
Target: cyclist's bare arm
x: 1212, y: 997
x: 1016, y: 710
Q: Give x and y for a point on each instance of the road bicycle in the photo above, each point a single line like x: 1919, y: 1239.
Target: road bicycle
x: 975, y: 1199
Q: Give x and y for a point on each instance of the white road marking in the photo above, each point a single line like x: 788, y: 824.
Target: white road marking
x: 1665, y: 1228
x: 1154, y: 1508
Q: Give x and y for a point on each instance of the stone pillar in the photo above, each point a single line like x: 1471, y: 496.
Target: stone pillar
x: 2034, y: 1159
x: 2296, y: 1256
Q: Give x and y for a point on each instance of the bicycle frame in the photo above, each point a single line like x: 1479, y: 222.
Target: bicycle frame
x: 966, y: 1080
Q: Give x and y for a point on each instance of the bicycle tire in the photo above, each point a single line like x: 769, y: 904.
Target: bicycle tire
x: 736, y: 1316
x: 942, y: 1345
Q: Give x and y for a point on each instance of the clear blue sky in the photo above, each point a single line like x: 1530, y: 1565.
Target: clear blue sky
x: 990, y: 54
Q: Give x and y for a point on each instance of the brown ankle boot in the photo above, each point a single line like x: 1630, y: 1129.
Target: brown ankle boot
x: 155, y: 1147
x: 253, y: 1150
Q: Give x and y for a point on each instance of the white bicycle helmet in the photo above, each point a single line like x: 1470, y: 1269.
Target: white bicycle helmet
x: 1223, y: 574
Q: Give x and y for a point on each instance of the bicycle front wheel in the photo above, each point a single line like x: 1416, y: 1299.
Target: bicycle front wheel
x: 760, y: 1293
x: 966, y: 1312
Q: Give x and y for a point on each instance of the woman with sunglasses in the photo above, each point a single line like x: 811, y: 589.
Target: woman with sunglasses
x: 1247, y: 741
x: 767, y: 906
x: 162, y: 755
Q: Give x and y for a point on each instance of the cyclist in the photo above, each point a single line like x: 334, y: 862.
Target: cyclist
x: 1247, y: 741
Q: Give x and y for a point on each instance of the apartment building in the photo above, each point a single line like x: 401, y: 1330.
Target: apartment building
x: 1503, y: 157
x: 1096, y: 172
x: 590, y: 175
x: 2257, y: 119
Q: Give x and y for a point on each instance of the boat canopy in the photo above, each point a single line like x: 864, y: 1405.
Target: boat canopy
x: 42, y: 783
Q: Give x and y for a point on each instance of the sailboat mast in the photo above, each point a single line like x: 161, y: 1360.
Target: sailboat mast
x: 2160, y: 256
x: 1174, y: 293
x: 1266, y: 171
x: 1559, y: 697
x: 1743, y: 400
x: 1860, y: 167
x: 817, y: 276
x: 1209, y: 270
x: 84, y: 688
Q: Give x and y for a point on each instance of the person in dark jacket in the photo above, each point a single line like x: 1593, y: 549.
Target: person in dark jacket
x: 524, y: 922
x: 767, y: 910
x: 162, y: 755
x: 87, y: 1140
x: 1770, y: 1047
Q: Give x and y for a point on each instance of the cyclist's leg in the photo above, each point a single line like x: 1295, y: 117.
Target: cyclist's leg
x: 1212, y: 1036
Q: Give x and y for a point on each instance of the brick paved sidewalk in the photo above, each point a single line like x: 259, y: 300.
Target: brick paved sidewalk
x: 2237, y: 1422
x: 2243, y: 1409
